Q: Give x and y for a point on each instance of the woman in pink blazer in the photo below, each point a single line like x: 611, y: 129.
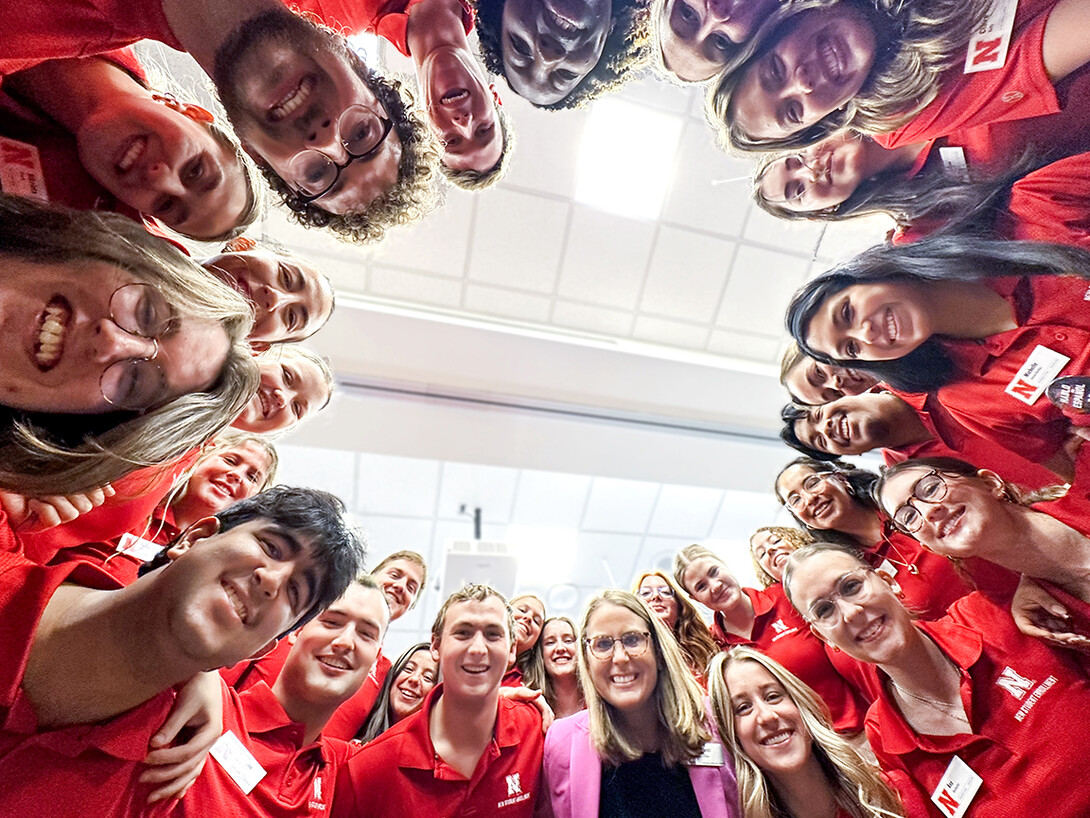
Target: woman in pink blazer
x: 644, y: 746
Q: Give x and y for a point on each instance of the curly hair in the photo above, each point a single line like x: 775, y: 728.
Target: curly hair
x: 795, y: 536
x: 859, y: 483
x: 628, y: 47
x: 917, y: 41
x: 415, y: 194
x: 477, y: 180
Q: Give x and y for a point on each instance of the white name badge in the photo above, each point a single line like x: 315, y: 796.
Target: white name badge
x: 21, y: 170
x: 138, y: 547
x: 237, y: 761
x: 988, y: 46
x: 954, y: 164
x: 956, y: 789
x: 1040, y: 368
x: 711, y: 756
x: 888, y: 567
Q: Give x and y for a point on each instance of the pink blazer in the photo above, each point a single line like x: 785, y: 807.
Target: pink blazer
x: 573, y: 775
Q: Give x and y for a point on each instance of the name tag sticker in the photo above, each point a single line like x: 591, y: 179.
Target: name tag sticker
x: 988, y: 46
x: 888, y: 567
x: 21, y: 170
x: 1042, y: 365
x: 137, y: 547
x: 954, y: 164
x: 956, y: 789
x: 237, y: 761
x: 711, y: 756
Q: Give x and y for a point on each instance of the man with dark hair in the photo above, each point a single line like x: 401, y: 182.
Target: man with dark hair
x: 468, y: 751
x: 88, y: 669
x: 855, y: 424
x: 338, y: 142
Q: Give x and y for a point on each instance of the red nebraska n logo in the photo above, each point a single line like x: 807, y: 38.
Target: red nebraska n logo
x: 1023, y: 389
x: 17, y: 154
x: 987, y: 51
x: 948, y: 802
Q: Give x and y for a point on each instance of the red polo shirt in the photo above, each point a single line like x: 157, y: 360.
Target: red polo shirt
x: 1051, y: 204
x: 122, y: 557
x: 350, y: 716
x: 249, y: 672
x: 70, y: 771
x: 400, y: 774
x: 780, y: 631
x: 1028, y: 705
x: 929, y: 583
x: 298, y: 778
x: 1074, y: 507
x: 389, y: 19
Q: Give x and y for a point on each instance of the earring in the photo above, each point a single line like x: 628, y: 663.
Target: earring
x: 239, y: 244
x: 189, y: 109
x: 495, y: 94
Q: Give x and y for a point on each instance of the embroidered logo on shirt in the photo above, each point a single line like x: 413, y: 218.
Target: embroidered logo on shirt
x: 1015, y: 684
x: 316, y: 802
x: 514, y: 786
x: 781, y: 629
x: 515, y: 795
x: 1041, y: 690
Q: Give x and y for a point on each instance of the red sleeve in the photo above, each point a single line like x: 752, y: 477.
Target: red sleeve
x: 1019, y: 90
x: 389, y: 20
x: 127, y: 61
x: 1053, y: 203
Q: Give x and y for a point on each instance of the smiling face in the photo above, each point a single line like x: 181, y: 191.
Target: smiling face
x: 626, y: 682
x: 817, y: 177
x: 558, y: 643
x: 221, y: 478
x: 461, y: 110
x: 771, y: 552
x: 710, y: 583
x: 475, y: 648
x: 816, y: 383
x: 291, y: 299
x: 818, y: 64
x: 334, y: 652
x: 698, y: 37
x: 880, y: 321
x: 767, y: 722
x: 291, y: 390
x: 549, y: 46
x: 529, y: 617
x: 57, y: 340
x: 821, y: 501
x: 660, y: 598
x: 872, y: 627
x: 412, y: 684
x: 853, y: 425
x: 285, y: 84
x: 230, y: 594
x: 400, y: 581
x: 165, y: 164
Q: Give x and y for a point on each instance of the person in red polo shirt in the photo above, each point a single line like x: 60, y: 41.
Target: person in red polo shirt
x: 280, y: 727
x: 89, y: 670
x: 468, y: 751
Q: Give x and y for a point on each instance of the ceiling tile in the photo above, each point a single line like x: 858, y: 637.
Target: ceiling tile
x: 710, y: 189
x: 686, y: 275
x: 764, y: 228
x: 669, y: 333
x: 842, y: 240
x: 743, y: 512
x: 547, y: 148
x: 686, y: 511
x: 743, y: 345
x: 606, y: 560
x: 606, y: 258
x: 648, y: 89
x: 385, y: 535
x: 551, y: 499
x: 517, y: 240
x: 331, y: 470
x: 620, y: 505
x: 490, y: 488
x: 397, y: 485
x: 401, y: 285
x: 760, y: 287
x: 507, y: 303
x: 592, y: 319
x: 656, y: 553
x: 436, y: 244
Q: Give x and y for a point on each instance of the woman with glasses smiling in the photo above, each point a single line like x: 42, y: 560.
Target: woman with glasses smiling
x: 970, y: 710
x: 644, y: 746
x: 679, y: 615
x: 117, y: 351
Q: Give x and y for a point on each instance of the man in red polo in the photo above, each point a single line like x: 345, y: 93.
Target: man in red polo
x: 467, y: 751
x: 272, y: 760
x: 88, y: 670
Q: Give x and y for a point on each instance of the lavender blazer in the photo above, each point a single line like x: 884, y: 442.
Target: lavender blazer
x: 573, y: 775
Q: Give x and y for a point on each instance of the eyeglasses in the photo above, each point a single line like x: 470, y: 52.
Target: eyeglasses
x: 360, y: 130
x: 665, y: 592
x: 137, y: 383
x: 810, y: 484
x: 930, y: 488
x: 851, y: 587
x: 634, y: 644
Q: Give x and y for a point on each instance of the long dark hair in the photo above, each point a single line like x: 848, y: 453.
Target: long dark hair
x: 860, y: 484
x: 378, y: 720
x: 936, y: 258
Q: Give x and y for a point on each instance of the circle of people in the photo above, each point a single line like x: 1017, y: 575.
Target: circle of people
x: 183, y: 637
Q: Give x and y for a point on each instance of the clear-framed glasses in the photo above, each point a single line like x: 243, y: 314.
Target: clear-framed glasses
x: 851, y: 587
x: 360, y: 130
x: 634, y: 643
x: 137, y: 383
x: 930, y: 488
x: 810, y: 484
x: 662, y: 592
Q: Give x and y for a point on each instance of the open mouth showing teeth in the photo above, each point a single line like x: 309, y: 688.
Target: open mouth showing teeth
x: 561, y: 22
x: 454, y: 97
x: 776, y: 738
x: 870, y: 631
x: 830, y: 60
x: 222, y: 488
x: 236, y: 601
x: 266, y: 404
x: 336, y: 662
x: 842, y: 430
x: 952, y: 524
x: 891, y: 326
x: 409, y: 695
x: 52, y: 325
x: 291, y: 101
x: 132, y: 154
x: 476, y: 670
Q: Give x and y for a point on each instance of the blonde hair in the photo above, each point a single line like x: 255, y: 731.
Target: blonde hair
x: 677, y: 698
x: 796, y: 536
x: 691, y: 632
x: 858, y: 789
x: 478, y: 180
x: 792, y: 357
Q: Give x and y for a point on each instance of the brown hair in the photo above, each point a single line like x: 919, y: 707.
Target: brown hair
x: 477, y: 180
x: 415, y: 559
x: 691, y: 632
x: 477, y: 592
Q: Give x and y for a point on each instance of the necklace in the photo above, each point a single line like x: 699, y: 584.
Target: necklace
x: 912, y: 569
x: 949, y: 709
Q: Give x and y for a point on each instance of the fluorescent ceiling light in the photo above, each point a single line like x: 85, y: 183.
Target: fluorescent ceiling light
x: 626, y: 160
x: 367, y: 46
x: 546, y: 554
